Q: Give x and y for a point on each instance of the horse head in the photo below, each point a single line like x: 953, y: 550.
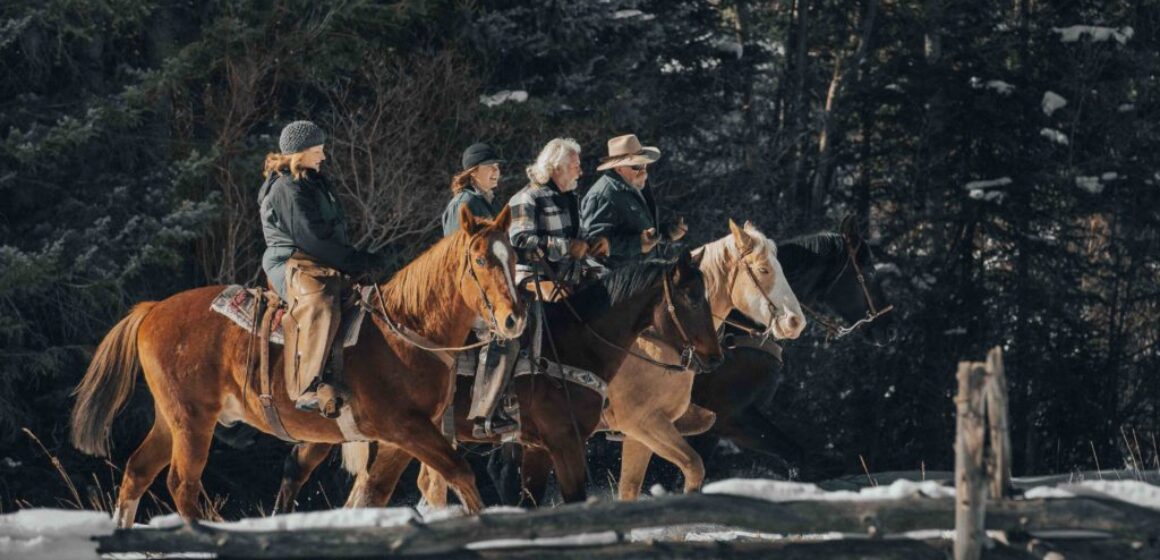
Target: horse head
x: 856, y: 293
x: 758, y: 287
x: 684, y: 315
x: 487, y: 273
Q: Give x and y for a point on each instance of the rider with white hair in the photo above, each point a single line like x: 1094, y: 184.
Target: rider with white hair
x: 545, y: 224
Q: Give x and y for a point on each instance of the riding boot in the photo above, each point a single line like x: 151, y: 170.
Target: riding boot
x: 332, y: 391
x: 496, y: 362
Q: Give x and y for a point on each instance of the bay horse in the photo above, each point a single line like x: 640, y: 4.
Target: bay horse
x: 556, y: 418
x: 196, y: 364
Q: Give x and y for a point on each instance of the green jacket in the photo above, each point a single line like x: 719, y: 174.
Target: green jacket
x: 476, y: 201
x: 618, y: 211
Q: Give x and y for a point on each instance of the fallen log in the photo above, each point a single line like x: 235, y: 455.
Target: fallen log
x: 878, y: 517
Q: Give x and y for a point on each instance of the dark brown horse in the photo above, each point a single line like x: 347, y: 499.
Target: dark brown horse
x: 195, y: 364
x: 558, y: 418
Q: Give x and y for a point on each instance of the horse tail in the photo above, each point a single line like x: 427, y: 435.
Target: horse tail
x: 356, y: 456
x: 107, y: 384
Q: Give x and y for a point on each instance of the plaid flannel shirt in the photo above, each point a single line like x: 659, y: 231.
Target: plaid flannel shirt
x: 543, y: 217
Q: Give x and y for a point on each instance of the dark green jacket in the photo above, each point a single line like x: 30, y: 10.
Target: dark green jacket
x: 618, y: 211
x: 304, y: 215
x: 475, y: 200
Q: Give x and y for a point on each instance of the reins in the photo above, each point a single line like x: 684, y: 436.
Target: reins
x: 836, y: 331
x: 686, y: 350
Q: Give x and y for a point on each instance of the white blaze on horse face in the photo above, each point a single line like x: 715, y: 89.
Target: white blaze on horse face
x: 791, y: 321
x: 501, y: 252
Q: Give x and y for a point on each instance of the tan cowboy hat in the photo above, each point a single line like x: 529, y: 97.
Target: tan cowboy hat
x: 626, y: 150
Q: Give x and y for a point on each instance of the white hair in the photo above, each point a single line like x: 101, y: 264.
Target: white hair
x: 551, y: 158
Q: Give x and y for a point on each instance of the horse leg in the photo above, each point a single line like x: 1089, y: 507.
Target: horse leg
x: 634, y: 459
x: 375, y: 485
x: 144, y: 466
x: 535, y: 467
x: 569, y: 462
x: 503, y: 467
x: 191, y: 441
x: 433, y: 487
x: 662, y: 437
x: 304, y: 458
x: 427, y: 444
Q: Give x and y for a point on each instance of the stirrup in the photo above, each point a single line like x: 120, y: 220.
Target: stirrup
x: 495, y: 425
x: 308, y: 400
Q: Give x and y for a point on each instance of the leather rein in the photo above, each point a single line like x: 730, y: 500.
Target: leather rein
x: 834, y: 330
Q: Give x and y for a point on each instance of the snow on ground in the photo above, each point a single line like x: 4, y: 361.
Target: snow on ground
x: 51, y: 534
x: 1097, y: 33
x: 42, y: 534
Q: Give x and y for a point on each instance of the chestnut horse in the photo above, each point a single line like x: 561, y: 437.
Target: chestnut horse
x: 556, y: 418
x: 196, y: 366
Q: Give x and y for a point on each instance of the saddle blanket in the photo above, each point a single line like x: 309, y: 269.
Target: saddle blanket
x: 237, y: 303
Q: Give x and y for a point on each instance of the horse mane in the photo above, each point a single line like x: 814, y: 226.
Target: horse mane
x: 822, y: 244
x: 627, y: 281
x: 409, y: 293
x: 721, y: 252
x: 618, y: 285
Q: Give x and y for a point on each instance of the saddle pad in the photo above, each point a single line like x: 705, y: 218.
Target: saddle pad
x: 571, y: 374
x: 237, y: 303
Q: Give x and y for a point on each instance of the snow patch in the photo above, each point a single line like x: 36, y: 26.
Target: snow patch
x: 1097, y: 33
x: 337, y: 519
x: 625, y: 14
x: 1126, y: 107
x: 783, y: 491
x: 1135, y: 492
x: 44, y: 534
x: 1090, y: 184
x: 1054, y: 135
x: 988, y: 184
x: 657, y: 490
x: 503, y: 96
x: 1046, y: 492
x: 1052, y: 102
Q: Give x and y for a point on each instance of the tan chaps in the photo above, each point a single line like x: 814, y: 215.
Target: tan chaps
x: 311, y: 323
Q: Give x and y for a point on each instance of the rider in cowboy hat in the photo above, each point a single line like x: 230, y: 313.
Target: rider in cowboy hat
x: 621, y: 207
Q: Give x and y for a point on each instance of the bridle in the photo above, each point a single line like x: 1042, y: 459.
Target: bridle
x: 834, y: 330
x: 743, y: 264
x: 689, y: 358
x: 409, y: 337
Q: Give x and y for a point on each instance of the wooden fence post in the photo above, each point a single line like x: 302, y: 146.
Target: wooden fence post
x: 999, y: 460
x: 970, y: 497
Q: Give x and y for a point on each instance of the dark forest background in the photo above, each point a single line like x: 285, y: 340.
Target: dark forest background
x: 132, y: 134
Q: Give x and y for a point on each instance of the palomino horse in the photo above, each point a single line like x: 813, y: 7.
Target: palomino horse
x: 831, y: 271
x: 556, y: 417
x: 742, y: 273
x: 195, y: 364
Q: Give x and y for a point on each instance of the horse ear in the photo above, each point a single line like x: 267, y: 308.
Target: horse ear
x: 504, y: 219
x: 467, y: 221
x: 749, y: 226
x: 742, y: 239
x: 684, y: 267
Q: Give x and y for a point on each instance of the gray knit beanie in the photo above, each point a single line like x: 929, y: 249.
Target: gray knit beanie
x: 299, y: 136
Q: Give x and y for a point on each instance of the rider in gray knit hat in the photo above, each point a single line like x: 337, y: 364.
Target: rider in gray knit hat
x: 300, y: 135
x: 308, y: 261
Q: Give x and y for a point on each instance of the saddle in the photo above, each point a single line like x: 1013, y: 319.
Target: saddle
x: 238, y: 304
x: 260, y: 313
